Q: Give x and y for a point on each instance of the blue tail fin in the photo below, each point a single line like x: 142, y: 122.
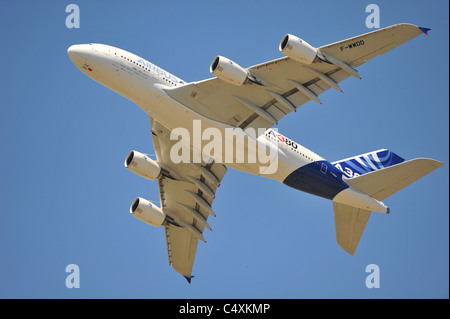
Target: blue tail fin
x: 369, y: 162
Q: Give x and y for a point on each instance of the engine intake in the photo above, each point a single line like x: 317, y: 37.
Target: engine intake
x: 228, y: 71
x: 298, y: 49
x: 147, y: 212
x: 142, y: 165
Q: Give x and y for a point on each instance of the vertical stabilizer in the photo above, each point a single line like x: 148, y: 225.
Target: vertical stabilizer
x: 368, y: 162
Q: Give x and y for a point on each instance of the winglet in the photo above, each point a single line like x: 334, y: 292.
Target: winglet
x: 189, y: 278
x: 424, y: 30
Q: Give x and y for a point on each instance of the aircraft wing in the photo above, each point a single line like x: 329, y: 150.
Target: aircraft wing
x: 285, y: 84
x: 186, y: 197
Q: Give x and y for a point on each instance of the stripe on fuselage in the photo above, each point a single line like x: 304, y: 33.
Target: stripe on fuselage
x: 319, y: 178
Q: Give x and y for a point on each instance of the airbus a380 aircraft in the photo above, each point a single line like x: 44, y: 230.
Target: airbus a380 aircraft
x: 246, y: 100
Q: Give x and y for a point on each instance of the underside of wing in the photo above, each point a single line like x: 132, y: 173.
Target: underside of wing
x: 187, y: 191
x: 276, y: 88
x: 258, y: 106
x: 360, y: 49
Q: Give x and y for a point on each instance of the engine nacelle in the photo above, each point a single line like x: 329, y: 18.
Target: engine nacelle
x: 142, y: 165
x: 298, y: 49
x: 147, y: 212
x: 228, y: 71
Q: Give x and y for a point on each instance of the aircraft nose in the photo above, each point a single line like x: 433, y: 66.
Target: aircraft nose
x: 75, y: 53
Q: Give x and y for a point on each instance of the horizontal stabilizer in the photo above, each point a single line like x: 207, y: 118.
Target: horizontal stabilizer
x: 349, y: 223
x: 383, y: 183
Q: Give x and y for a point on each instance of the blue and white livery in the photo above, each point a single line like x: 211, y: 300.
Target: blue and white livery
x: 369, y: 162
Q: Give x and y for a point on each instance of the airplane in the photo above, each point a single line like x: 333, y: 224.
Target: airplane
x: 248, y: 102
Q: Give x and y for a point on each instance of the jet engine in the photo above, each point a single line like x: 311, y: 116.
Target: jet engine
x: 298, y: 49
x: 142, y: 165
x: 228, y: 71
x: 147, y: 212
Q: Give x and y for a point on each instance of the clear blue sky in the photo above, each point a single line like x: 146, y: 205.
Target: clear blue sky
x: 65, y: 194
